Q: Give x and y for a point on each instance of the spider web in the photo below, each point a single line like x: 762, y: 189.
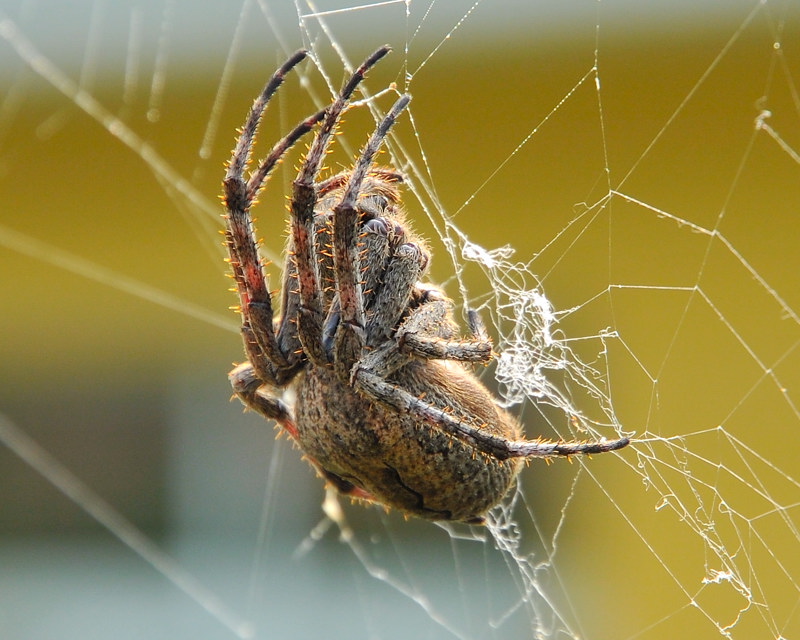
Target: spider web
x: 614, y: 187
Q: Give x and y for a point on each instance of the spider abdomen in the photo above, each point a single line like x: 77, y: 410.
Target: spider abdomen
x: 399, y: 460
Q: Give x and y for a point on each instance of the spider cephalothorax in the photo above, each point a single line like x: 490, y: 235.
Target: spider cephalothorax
x: 386, y: 407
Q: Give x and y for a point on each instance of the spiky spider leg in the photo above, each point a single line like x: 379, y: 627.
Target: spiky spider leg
x: 350, y: 338
x: 304, y: 199
x: 497, y: 447
x: 261, y: 345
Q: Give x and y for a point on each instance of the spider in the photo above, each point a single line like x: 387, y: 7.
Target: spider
x: 386, y: 407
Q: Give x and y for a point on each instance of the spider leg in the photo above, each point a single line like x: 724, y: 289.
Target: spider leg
x: 244, y: 145
x: 250, y: 389
x: 421, y: 336
x: 378, y: 239
x: 272, y: 361
x: 474, y: 434
x: 350, y: 337
x: 427, y: 334
x: 304, y: 199
x: 394, y: 290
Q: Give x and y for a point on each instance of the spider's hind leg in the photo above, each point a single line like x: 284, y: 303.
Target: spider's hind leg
x: 469, y: 428
x: 461, y: 406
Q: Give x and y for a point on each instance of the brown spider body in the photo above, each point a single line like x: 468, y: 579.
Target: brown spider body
x: 386, y: 406
x: 397, y: 459
x: 368, y: 449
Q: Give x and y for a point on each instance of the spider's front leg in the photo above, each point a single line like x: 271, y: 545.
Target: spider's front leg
x: 310, y: 315
x: 351, y: 337
x: 274, y: 360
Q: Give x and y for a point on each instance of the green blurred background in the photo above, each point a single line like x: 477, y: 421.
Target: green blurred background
x: 132, y: 396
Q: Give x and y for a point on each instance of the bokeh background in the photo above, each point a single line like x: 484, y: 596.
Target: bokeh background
x: 131, y: 396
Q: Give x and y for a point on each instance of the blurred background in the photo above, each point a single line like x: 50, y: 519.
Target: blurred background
x: 115, y: 334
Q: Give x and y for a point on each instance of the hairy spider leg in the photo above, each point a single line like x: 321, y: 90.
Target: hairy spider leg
x: 244, y: 145
x: 418, y: 334
x: 393, y: 285
x: 418, y: 337
x: 304, y: 199
x: 401, y: 400
x: 249, y: 387
x: 254, y: 295
x: 274, y: 361
x: 271, y: 361
x: 349, y: 337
